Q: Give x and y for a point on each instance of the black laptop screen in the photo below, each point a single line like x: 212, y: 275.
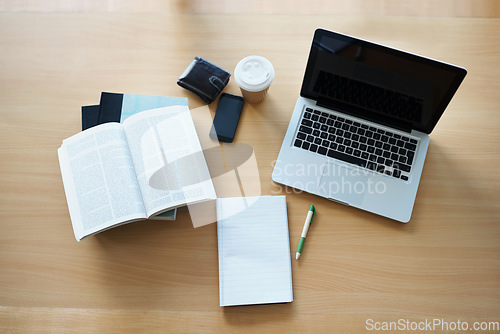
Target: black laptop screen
x: 378, y: 83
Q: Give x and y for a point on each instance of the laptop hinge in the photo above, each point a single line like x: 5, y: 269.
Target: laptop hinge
x: 358, y: 112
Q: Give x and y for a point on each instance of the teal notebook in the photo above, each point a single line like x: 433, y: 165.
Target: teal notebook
x: 254, y: 251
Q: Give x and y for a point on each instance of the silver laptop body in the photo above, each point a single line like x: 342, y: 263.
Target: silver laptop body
x: 359, y: 133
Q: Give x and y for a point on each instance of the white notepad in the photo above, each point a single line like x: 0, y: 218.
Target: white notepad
x: 254, y: 251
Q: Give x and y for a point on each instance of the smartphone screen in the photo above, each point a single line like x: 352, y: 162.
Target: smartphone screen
x: 226, y: 117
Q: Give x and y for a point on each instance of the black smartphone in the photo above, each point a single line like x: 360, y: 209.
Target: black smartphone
x: 226, y: 117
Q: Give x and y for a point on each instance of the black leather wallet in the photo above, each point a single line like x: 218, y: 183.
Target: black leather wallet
x: 204, y: 79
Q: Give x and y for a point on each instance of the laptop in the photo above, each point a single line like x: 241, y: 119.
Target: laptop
x: 360, y: 129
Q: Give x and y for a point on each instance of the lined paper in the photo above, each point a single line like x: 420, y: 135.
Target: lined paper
x: 254, y: 251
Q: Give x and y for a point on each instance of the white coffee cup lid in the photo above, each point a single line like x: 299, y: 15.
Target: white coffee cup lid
x: 254, y: 73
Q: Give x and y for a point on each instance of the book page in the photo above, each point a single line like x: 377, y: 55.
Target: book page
x: 99, y: 180
x: 168, y: 158
x: 254, y: 250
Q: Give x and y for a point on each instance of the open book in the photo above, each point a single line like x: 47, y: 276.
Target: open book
x: 119, y: 173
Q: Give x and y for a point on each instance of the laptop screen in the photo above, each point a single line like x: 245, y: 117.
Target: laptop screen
x: 378, y: 83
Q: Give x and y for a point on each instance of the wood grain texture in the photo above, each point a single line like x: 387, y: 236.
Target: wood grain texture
x: 163, y: 276
x: 428, y: 8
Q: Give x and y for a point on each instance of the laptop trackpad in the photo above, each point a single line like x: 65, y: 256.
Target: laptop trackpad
x: 344, y: 184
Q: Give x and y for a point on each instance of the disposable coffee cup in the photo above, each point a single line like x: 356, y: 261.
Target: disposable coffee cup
x: 254, y: 75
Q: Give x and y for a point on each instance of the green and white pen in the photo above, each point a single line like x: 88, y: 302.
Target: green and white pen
x: 309, y: 218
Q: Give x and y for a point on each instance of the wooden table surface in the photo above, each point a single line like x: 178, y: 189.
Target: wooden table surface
x: 163, y: 276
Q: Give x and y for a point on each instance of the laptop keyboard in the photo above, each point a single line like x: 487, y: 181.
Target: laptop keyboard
x: 357, y: 143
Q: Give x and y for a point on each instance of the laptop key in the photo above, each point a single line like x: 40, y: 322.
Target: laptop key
x: 341, y: 148
x: 410, y: 146
x: 298, y: 143
x: 307, y: 115
x: 404, y: 177
x: 410, y: 156
x: 347, y: 158
x: 313, y: 148
x: 404, y: 168
x: 310, y: 138
x: 396, y: 173
x: 306, y: 122
x: 301, y: 135
x: 305, y: 129
x: 316, y: 133
x: 322, y: 150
